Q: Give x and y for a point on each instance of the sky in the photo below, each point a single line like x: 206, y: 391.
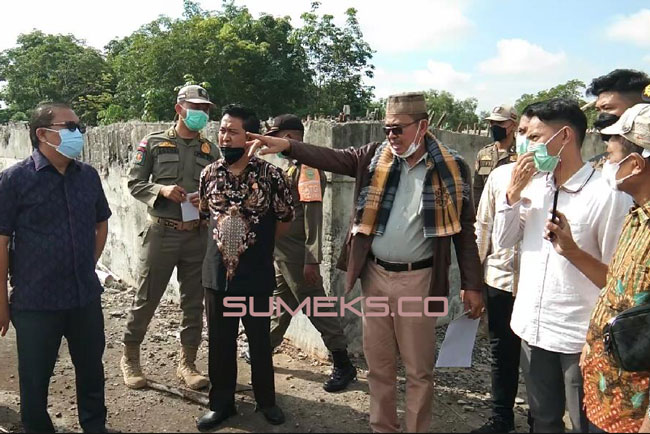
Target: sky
x: 493, y: 51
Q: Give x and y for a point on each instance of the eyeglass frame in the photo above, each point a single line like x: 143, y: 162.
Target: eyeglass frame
x: 70, y: 125
x: 398, y: 129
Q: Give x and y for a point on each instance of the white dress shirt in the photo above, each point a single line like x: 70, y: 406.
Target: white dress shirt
x: 555, y: 300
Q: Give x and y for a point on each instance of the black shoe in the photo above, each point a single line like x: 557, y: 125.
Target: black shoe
x: 496, y: 424
x: 274, y: 415
x: 340, y: 379
x: 212, y: 419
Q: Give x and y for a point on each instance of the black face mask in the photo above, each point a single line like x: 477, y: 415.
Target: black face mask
x: 604, y: 120
x: 498, y: 133
x: 232, y: 155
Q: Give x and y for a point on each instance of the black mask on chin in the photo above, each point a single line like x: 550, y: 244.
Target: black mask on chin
x: 604, y: 120
x: 232, y: 155
x: 498, y: 133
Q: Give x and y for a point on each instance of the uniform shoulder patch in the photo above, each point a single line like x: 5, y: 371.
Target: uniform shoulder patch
x: 309, y: 188
x: 140, y: 155
x: 205, y: 148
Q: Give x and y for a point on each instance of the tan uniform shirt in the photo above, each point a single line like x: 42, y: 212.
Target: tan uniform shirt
x: 163, y: 158
x: 488, y: 159
x: 303, y: 242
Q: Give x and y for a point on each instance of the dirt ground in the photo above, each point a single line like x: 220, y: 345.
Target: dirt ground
x: 461, y: 399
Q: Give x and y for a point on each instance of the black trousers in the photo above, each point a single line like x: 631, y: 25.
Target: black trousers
x: 222, y: 353
x: 505, y: 347
x: 38, y: 337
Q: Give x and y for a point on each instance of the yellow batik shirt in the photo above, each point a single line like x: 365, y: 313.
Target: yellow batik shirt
x: 616, y: 400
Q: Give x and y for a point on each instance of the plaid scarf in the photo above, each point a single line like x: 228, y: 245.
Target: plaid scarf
x: 444, y: 190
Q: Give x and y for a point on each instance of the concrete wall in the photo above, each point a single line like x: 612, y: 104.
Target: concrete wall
x: 110, y: 148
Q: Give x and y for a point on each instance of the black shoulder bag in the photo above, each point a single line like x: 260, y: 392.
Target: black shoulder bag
x: 627, y: 339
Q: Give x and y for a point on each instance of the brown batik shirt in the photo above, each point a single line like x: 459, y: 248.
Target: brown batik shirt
x: 244, y: 210
x: 616, y: 400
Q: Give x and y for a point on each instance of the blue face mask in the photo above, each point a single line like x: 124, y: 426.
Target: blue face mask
x: 72, y: 142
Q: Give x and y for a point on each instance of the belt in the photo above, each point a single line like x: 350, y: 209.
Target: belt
x: 399, y: 266
x: 177, y: 224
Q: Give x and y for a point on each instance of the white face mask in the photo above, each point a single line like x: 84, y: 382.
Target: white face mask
x: 609, y: 172
x: 411, y: 149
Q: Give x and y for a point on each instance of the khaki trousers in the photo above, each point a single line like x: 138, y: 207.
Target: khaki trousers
x: 386, y: 336
x: 164, y: 249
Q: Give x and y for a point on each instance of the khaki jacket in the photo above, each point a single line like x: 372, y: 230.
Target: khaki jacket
x: 163, y: 158
x: 303, y: 244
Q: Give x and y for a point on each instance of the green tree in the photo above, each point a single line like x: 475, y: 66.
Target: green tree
x: 457, y: 112
x: 339, y: 60
x: 246, y: 60
x: 572, y: 89
x: 55, y: 68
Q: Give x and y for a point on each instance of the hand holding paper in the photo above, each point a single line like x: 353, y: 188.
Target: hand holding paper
x: 456, y: 350
x: 189, y: 209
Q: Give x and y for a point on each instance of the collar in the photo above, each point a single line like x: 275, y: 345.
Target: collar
x: 221, y: 162
x: 512, y: 149
x: 171, y: 134
x: 579, y: 179
x: 642, y: 213
x: 41, y: 161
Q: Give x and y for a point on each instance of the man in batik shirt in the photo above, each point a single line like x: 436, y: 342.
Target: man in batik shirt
x: 616, y: 400
x: 250, y: 204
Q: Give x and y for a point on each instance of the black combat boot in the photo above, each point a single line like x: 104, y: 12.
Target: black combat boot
x: 343, y: 373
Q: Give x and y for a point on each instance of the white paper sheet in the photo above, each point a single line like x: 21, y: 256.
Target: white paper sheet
x: 189, y: 211
x: 456, y: 349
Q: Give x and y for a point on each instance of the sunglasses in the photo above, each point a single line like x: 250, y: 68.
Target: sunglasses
x: 72, y: 126
x: 398, y: 129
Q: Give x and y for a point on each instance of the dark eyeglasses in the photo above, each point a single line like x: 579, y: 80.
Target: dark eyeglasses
x: 398, y: 129
x: 72, y: 126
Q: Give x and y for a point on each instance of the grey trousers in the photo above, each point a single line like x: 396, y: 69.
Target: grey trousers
x: 554, y: 382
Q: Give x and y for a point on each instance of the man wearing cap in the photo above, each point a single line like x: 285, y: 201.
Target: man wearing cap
x: 616, y: 400
x: 412, y: 199
x: 164, y: 174
x: 503, y: 125
x: 298, y: 255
